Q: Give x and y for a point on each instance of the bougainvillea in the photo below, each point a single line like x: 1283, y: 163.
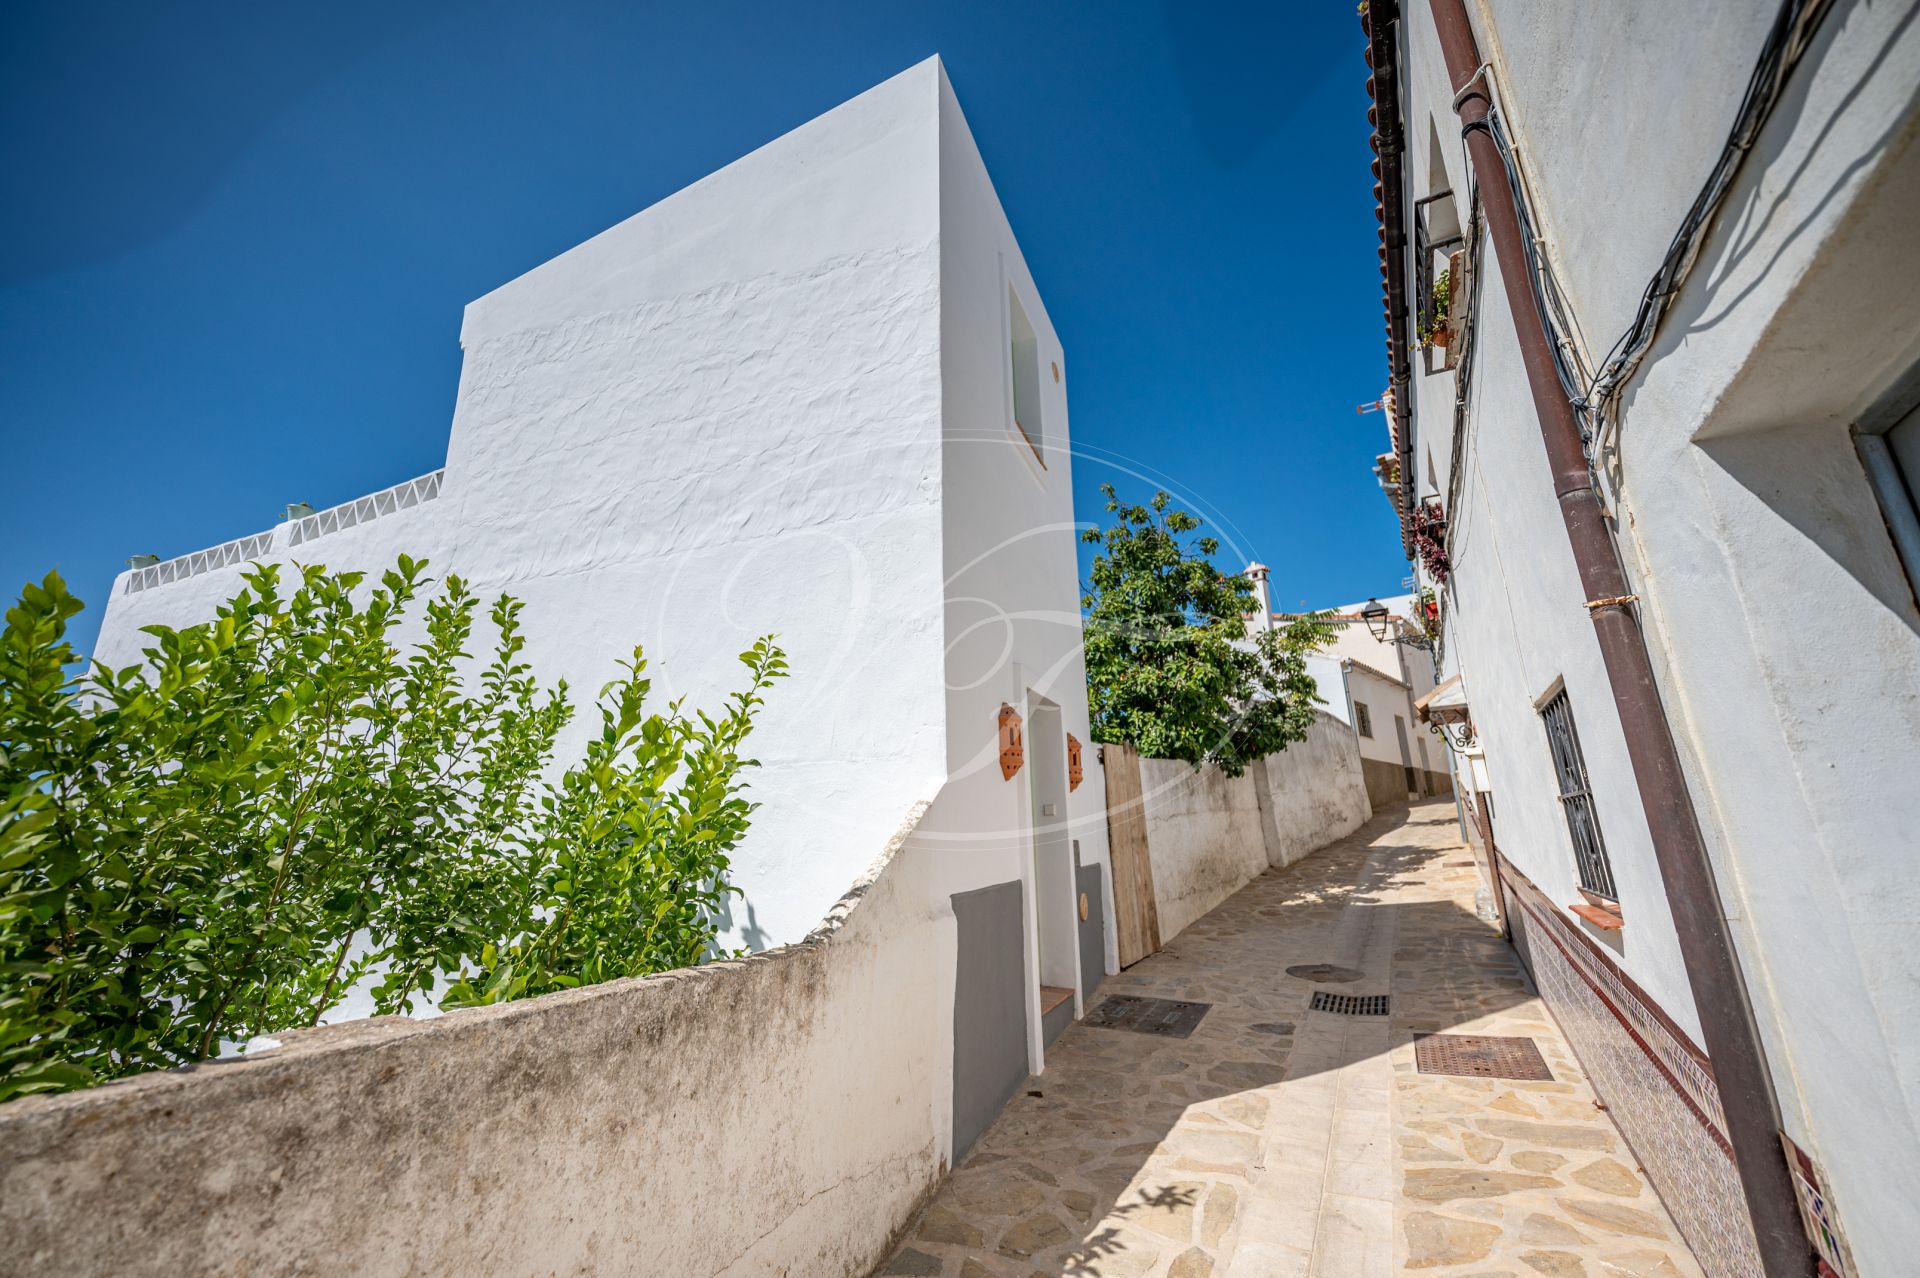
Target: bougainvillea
x: 1429, y: 527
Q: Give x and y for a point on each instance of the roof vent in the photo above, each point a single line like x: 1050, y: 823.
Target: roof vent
x: 297, y: 510
x: 142, y: 561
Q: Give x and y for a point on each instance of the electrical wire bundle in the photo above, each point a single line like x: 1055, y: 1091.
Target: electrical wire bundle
x: 1593, y: 395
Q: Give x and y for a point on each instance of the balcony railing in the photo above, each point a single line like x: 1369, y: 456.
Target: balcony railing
x: 365, y: 509
x: 224, y: 556
x: 298, y: 532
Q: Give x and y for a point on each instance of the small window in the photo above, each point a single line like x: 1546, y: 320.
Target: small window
x: 1362, y: 721
x: 1025, y: 355
x: 1576, y: 798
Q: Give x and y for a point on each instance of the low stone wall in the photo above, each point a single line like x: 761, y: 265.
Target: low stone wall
x: 1314, y: 792
x: 784, y: 1114
x: 1209, y: 835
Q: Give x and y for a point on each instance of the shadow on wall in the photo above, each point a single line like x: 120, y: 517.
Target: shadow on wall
x: 1048, y: 1184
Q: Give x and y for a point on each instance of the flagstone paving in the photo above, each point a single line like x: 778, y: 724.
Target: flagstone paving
x: 1277, y: 1142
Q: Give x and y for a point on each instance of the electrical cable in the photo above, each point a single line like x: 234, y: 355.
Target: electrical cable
x: 1594, y: 395
x: 1788, y: 39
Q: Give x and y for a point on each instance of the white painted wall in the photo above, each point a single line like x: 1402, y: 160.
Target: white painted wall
x: 781, y: 400
x: 782, y: 1115
x: 776, y: 400
x: 1312, y: 793
x: 1204, y: 838
x: 1011, y: 621
x: 1209, y: 835
x: 1384, y: 676
x: 1785, y: 636
x: 719, y: 418
x: 1384, y: 698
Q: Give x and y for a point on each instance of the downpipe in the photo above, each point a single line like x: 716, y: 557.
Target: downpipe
x: 1706, y: 942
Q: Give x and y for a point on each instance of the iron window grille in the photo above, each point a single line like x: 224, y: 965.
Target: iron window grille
x: 1363, y: 721
x: 1576, y: 798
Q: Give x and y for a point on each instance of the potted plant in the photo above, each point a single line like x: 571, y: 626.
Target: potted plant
x: 1439, y: 329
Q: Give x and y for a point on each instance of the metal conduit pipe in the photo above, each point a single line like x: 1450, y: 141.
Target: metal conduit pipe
x: 1706, y: 941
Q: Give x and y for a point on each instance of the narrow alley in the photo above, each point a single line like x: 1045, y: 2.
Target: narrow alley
x: 1278, y: 1141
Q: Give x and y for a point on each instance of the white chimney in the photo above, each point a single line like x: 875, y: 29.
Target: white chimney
x: 1257, y: 574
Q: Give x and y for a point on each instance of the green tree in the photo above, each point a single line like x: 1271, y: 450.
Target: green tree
x: 1171, y: 669
x: 284, y: 803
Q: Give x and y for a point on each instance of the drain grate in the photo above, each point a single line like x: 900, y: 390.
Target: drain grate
x: 1350, y: 1004
x: 1480, y: 1056
x: 1325, y: 972
x: 1166, y: 1017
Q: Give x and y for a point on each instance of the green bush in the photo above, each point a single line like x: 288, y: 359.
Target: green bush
x: 1171, y: 669
x: 282, y: 804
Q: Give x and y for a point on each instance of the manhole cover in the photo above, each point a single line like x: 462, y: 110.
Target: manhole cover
x: 1480, y: 1056
x: 1167, y: 1017
x: 1325, y: 972
x: 1350, y: 1004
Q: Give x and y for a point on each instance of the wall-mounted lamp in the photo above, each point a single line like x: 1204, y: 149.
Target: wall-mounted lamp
x: 1386, y: 628
x: 1376, y: 616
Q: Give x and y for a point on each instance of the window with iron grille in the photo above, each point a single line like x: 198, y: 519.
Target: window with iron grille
x: 1363, y: 721
x: 1576, y: 798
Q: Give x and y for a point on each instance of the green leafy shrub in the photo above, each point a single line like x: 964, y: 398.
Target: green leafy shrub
x: 1170, y: 667
x: 283, y: 804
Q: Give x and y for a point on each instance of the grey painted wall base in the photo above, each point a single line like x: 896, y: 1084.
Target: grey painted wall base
x: 1093, y: 931
x: 989, y: 1009
x: 1054, y: 1023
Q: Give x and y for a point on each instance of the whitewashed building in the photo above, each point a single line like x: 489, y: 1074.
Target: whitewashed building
x: 1370, y: 677
x: 816, y: 393
x: 1662, y: 440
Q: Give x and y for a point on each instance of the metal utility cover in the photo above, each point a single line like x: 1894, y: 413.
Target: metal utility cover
x: 1349, y: 1004
x: 1169, y: 1018
x: 1480, y: 1056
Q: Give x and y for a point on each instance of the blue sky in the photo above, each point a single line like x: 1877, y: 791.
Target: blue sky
x: 235, y: 240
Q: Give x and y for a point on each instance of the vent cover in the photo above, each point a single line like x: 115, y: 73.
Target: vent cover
x: 1480, y: 1056
x: 1166, y: 1017
x: 1350, y: 1004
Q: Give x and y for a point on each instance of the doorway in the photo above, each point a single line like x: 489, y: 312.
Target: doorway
x: 1054, y: 945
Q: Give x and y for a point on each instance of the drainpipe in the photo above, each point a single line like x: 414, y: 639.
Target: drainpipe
x: 1706, y: 942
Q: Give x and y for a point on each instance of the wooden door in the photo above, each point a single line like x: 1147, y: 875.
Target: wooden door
x: 1136, y: 919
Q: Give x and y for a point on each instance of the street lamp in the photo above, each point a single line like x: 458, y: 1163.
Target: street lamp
x: 1376, y: 616
x: 1386, y: 629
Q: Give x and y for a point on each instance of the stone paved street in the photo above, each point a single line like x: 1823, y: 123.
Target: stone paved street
x: 1278, y: 1142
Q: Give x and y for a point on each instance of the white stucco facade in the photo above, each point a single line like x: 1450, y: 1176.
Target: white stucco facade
x: 1370, y: 683
x: 1210, y: 834
x: 1783, y: 630
x: 782, y: 400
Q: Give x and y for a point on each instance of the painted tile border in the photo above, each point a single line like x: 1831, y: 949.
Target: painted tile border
x: 1677, y: 1057
x: 1659, y: 1091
